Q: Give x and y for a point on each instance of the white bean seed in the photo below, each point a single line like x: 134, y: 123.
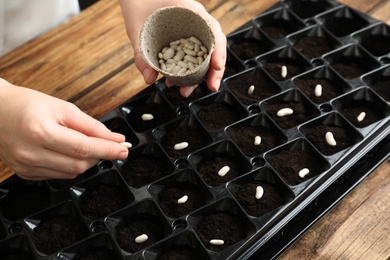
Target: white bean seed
x: 217, y: 242
x: 251, y: 89
x: 163, y: 66
x: 141, y: 239
x: 147, y: 117
x: 284, y: 112
x: 182, y: 64
x: 179, y: 55
x: 200, y: 60
x: 195, y: 40
x: 183, y: 41
x: 259, y: 192
x: 176, y: 69
x: 190, y: 52
x: 302, y: 173
x: 330, y: 139
x: 283, y: 71
x: 191, y: 59
x: 170, y: 61
x: 175, y: 42
x: 223, y: 171
x: 180, y: 146
x: 182, y: 71
x: 257, y: 140
x: 203, y: 48
x: 169, y: 54
x: 318, y: 90
x: 127, y: 144
x: 361, y: 116
x: 160, y: 55
x: 182, y: 200
x: 197, y: 47
x: 170, y: 67
x: 189, y: 45
x: 200, y: 53
x: 164, y: 50
x: 190, y: 65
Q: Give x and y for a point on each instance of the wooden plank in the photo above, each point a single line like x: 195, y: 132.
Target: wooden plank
x: 358, y: 228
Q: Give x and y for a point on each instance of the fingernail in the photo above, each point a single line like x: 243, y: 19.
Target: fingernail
x: 222, y: 63
x: 146, y: 74
x: 123, y: 155
x: 188, y: 91
x: 217, y: 84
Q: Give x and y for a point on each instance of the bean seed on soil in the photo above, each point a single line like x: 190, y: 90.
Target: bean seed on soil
x: 223, y: 171
x: 257, y: 140
x: 147, y: 117
x: 217, y: 242
x: 259, y: 192
x: 361, y: 116
x: 141, y: 239
x: 330, y: 139
x: 180, y: 146
x: 251, y: 89
x: 318, y: 90
x: 284, y: 112
x: 182, y: 200
x: 302, y: 173
x: 283, y: 71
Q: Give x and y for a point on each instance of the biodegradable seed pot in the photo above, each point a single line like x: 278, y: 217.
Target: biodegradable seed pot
x: 170, y: 24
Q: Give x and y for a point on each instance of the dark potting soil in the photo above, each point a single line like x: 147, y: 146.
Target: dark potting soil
x: 190, y: 134
x: 57, y: 233
x: 313, y: 46
x: 168, y: 200
x: 278, y: 30
x: 230, y: 70
x: 264, y: 87
x: 272, y: 198
x: 343, y: 138
x: 382, y: 87
x: 349, y: 70
x: 174, y: 96
x: 144, y: 169
x: 329, y: 89
x: 244, y: 138
x: 223, y: 226
x: 150, y: 227
x: 217, y: 115
x: 248, y: 48
x: 353, y: 111
x: 102, y: 201
x: 288, y: 164
x: 23, y: 201
x: 180, y: 254
x: 210, y: 167
x: 274, y: 69
x: 161, y: 114
x: 300, y: 114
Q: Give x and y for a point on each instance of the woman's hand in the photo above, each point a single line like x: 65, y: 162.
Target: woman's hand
x: 42, y: 137
x: 135, y: 13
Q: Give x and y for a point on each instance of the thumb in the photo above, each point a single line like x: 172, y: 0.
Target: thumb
x: 149, y: 74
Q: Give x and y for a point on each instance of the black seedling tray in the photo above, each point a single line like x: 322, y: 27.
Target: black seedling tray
x: 102, y: 211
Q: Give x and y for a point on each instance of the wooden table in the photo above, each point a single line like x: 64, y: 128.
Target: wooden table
x: 89, y: 61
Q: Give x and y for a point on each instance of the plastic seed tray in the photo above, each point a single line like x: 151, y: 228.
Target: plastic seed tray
x: 104, y: 210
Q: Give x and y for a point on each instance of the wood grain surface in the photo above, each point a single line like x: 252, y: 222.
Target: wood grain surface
x: 89, y: 61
